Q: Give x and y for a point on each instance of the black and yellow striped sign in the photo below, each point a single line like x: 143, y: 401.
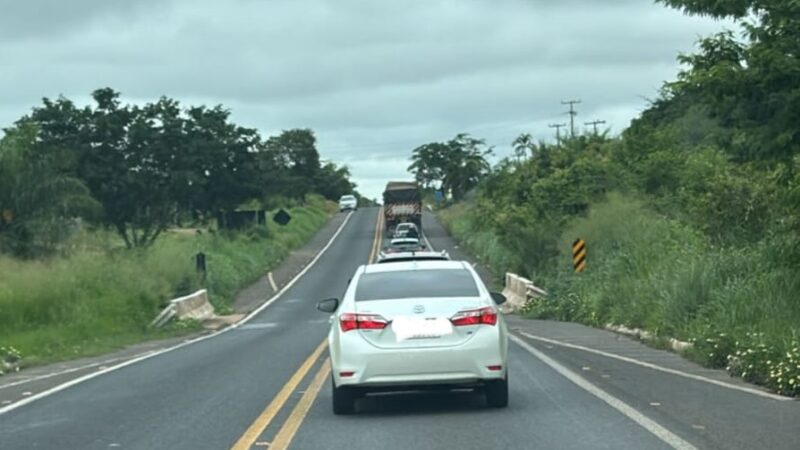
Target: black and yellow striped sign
x: 579, y: 255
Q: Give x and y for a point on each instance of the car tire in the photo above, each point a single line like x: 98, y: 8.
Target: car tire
x: 497, y: 393
x: 344, y: 400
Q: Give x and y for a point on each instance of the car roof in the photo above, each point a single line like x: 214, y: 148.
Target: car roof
x: 415, y: 265
x: 404, y: 240
x: 413, y: 256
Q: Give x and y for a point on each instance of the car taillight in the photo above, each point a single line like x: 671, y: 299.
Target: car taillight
x: 352, y: 321
x: 483, y: 316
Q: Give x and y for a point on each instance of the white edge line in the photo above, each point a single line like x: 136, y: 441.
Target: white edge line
x: 427, y: 242
x: 129, y: 362
x: 55, y: 374
x: 272, y: 282
x: 648, y: 365
x: 668, y: 437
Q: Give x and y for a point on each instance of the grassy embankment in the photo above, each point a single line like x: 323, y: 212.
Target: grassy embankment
x: 738, y: 305
x: 102, y: 297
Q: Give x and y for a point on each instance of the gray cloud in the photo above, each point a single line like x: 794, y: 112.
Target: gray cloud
x: 374, y: 79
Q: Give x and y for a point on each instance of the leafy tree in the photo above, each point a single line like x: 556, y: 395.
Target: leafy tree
x: 221, y: 159
x: 333, y: 181
x: 149, y: 165
x: 38, y: 202
x: 523, y: 146
x: 751, y: 85
x: 296, y: 151
x: 458, y: 165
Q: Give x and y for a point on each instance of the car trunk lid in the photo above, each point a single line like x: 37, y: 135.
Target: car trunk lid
x: 418, y: 323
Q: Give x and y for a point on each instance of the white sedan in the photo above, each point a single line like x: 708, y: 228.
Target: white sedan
x: 416, y: 325
x: 348, y: 202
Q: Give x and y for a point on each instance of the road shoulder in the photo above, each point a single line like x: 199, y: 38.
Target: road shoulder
x: 20, y: 385
x: 705, y: 406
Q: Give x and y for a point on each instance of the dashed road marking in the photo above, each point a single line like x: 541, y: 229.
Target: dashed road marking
x: 272, y: 282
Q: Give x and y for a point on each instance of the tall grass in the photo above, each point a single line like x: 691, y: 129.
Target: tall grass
x: 483, y: 244
x: 102, y: 297
x: 738, y: 305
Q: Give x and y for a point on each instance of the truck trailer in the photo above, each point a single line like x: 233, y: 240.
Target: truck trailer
x: 402, y: 202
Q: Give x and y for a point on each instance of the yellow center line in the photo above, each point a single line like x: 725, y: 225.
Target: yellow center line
x: 376, y: 241
x: 292, y: 424
x: 263, y: 420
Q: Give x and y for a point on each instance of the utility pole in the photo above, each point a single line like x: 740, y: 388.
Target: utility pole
x: 572, y: 113
x: 558, y: 127
x: 594, y: 124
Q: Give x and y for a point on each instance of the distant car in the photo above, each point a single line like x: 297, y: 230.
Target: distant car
x: 413, y: 256
x: 412, y: 326
x: 348, y: 203
x: 406, y: 229
x: 404, y: 244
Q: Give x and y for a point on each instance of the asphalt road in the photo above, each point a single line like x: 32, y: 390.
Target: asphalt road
x: 264, y: 384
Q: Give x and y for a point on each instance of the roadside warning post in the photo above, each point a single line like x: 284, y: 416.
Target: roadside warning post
x: 579, y: 255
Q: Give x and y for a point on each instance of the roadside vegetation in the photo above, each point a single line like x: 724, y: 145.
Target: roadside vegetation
x: 691, y: 216
x: 104, y: 207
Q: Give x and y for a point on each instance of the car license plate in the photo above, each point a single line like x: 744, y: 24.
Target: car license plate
x: 420, y: 328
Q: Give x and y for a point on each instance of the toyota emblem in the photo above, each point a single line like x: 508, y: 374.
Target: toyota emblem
x: 419, y: 309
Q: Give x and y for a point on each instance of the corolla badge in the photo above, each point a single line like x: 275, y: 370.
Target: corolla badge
x: 419, y: 309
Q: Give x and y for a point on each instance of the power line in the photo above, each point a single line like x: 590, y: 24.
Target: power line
x: 558, y: 127
x: 595, y: 123
x: 572, y: 113
x: 390, y: 145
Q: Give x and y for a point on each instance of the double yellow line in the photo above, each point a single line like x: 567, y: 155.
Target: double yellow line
x: 376, y: 241
x: 289, y: 428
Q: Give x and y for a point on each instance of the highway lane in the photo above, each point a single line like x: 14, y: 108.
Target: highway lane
x: 204, y: 395
x: 266, y: 385
x: 546, y: 411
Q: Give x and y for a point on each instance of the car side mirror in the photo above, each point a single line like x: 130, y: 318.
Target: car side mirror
x: 498, y: 298
x: 329, y: 305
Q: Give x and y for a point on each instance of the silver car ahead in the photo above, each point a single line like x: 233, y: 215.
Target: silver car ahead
x: 413, y: 326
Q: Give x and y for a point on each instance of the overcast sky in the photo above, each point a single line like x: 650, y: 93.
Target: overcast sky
x: 373, y: 78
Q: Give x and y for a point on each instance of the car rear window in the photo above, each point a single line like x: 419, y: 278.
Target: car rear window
x: 416, y: 283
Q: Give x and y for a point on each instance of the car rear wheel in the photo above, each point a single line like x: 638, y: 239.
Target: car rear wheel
x: 497, y: 393
x: 344, y: 400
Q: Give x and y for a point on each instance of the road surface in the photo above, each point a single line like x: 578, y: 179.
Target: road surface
x: 265, y: 385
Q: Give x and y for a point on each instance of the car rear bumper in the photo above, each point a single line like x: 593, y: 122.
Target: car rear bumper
x: 464, y: 365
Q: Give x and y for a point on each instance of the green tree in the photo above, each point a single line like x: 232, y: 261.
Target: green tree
x: 751, y: 85
x: 523, y: 146
x: 221, y: 159
x: 458, y: 165
x: 334, y: 181
x: 296, y: 151
x: 38, y: 202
